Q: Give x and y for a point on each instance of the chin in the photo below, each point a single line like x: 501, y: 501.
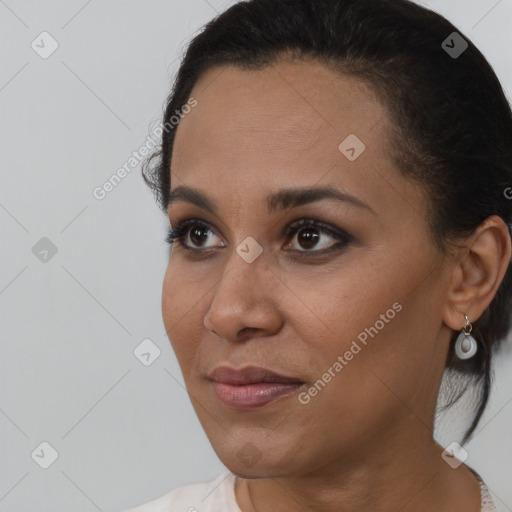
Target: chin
x: 247, y: 461
x: 255, y: 473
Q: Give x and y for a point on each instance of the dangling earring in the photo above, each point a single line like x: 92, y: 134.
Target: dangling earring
x: 466, y: 345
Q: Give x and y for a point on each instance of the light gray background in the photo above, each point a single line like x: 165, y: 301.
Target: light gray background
x: 125, y: 433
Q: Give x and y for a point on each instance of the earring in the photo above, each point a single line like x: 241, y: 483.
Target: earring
x: 466, y: 345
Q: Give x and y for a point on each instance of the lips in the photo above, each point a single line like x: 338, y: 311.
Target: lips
x: 248, y: 375
x: 250, y: 387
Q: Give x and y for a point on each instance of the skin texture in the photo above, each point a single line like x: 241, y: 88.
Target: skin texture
x: 364, y: 442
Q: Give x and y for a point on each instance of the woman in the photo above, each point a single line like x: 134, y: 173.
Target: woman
x: 335, y: 173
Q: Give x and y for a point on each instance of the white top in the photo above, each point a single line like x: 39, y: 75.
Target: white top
x: 487, y: 502
x: 218, y: 495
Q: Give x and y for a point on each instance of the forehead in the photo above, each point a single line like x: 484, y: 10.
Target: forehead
x: 253, y: 132
x: 290, y: 104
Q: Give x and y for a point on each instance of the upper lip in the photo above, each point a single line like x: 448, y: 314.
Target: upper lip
x: 247, y: 375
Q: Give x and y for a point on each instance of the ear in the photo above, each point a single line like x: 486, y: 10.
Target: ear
x: 478, y: 272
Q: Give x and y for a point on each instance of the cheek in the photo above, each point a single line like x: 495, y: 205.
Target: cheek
x: 369, y: 319
x: 181, y: 314
x: 331, y: 308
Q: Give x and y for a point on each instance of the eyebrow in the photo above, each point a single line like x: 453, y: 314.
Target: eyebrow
x: 281, y: 200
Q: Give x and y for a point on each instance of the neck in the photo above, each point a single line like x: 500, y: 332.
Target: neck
x: 410, y: 477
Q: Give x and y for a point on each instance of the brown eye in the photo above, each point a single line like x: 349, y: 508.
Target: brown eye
x: 308, y: 238
x: 199, y: 235
x: 192, y: 229
x: 313, y: 235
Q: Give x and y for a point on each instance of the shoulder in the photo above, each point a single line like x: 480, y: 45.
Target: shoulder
x: 213, y: 495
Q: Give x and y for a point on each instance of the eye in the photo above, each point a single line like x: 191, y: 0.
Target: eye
x: 310, y: 232
x: 183, y: 231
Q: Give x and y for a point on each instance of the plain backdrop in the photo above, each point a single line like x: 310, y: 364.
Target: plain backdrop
x: 81, y: 277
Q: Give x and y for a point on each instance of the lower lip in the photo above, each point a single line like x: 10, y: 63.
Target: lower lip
x: 252, y: 396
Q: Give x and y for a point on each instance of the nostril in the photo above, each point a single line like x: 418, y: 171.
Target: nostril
x: 245, y: 333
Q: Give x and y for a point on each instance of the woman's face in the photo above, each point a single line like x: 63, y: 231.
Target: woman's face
x: 351, y: 309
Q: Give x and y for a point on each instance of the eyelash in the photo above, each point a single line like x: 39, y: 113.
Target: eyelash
x: 178, y: 234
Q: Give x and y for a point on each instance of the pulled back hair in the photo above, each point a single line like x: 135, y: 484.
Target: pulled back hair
x: 451, y: 121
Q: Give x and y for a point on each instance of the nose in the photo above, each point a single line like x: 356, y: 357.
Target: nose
x: 244, y: 303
